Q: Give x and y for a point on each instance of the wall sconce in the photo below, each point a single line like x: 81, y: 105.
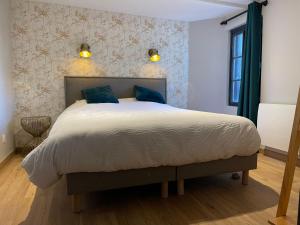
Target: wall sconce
x: 154, y: 56
x: 85, y: 51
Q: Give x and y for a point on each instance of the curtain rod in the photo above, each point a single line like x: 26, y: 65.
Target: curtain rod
x: 264, y: 3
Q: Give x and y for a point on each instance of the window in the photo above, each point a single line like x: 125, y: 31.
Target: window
x: 236, y: 59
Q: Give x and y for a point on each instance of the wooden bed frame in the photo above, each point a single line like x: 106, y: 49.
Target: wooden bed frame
x: 81, y: 183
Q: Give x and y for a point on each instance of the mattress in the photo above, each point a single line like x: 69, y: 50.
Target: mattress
x: 132, y: 135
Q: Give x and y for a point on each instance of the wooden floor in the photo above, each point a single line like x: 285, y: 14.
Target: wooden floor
x: 214, y: 200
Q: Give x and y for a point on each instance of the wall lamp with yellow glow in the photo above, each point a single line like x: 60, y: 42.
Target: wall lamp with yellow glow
x: 154, y: 56
x: 85, y: 51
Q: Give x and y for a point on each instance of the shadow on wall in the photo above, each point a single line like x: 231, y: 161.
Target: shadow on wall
x: 88, y: 67
x: 5, y: 100
x: 4, y: 114
x: 151, y: 70
x: 84, y: 67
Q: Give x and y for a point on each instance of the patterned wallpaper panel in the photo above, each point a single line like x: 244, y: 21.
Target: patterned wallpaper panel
x: 46, y: 40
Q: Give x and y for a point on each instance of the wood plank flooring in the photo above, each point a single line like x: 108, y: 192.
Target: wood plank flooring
x: 213, y: 200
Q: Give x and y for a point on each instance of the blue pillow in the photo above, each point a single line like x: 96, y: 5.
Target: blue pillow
x: 99, y: 95
x: 148, y: 95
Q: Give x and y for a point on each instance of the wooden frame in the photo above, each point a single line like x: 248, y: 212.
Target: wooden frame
x: 289, y: 171
x: 233, y: 32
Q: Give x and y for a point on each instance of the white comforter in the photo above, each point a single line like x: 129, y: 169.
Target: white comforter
x: 131, y: 135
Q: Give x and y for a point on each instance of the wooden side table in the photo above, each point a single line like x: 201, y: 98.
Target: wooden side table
x: 36, y: 126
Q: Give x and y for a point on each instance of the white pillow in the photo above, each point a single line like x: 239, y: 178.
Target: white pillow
x: 124, y: 100
x: 82, y: 101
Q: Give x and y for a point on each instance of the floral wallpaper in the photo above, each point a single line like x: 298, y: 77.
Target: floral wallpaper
x: 46, y: 40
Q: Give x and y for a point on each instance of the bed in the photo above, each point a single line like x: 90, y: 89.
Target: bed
x: 108, y: 146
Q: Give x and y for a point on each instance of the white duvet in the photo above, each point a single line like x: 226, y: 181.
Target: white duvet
x: 132, y: 135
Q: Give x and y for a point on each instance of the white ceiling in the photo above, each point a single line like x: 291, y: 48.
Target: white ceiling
x: 185, y: 10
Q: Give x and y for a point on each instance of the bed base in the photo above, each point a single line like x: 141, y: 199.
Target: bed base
x: 81, y: 183
x: 234, y: 164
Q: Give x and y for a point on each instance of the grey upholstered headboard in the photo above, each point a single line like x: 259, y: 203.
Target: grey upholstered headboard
x: 122, y: 87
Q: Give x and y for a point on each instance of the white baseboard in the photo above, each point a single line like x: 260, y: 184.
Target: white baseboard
x: 5, y: 155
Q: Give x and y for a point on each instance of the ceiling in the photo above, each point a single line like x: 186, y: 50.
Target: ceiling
x: 185, y: 10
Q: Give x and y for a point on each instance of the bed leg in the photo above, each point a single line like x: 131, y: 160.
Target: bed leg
x: 165, y: 189
x: 76, y: 206
x: 180, y: 187
x: 245, y: 177
x: 235, y: 176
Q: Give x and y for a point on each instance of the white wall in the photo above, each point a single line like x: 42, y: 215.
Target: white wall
x: 209, y: 53
x: 6, y: 142
x: 209, y: 58
x: 281, y: 52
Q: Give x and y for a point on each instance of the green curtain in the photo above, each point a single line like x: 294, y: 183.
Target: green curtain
x: 251, y: 68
